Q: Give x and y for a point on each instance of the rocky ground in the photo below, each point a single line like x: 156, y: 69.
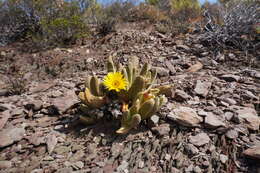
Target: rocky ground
x: 210, y: 123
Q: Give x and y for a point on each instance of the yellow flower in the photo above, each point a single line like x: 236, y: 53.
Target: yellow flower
x: 115, y: 81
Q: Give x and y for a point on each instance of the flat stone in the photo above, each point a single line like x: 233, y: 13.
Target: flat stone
x: 4, y: 116
x: 191, y: 149
x: 180, y: 95
x: 249, y: 115
x: 232, y: 134
x: 66, y: 102
x: 77, y: 156
x: 202, y: 88
x: 4, y: 164
x: 61, y: 150
x: 36, y: 139
x: 65, y: 170
x: 170, y: 67
x: 11, y: 135
x: 37, y: 171
x: 183, y: 47
x: 185, y: 116
x: 48, y: 158
x: 34, y: 105
x: 199, y: 139
x: 78, y: 164
x: 230, y: 78
x: 40, y: 87
x: 17, y: 111
x: 56, y: 94
x: 51, y: 142
x: 3, y: 92
x: 211, y: 121
x: 253, y: 152
x: 162, y: 72
x: 196, y: 67
x: 229, y: 115
x: 230, y: 101
x: 162, y: 129
x: 249, y: 95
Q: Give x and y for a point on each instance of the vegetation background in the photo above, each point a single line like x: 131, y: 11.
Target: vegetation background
x: 52, y: 23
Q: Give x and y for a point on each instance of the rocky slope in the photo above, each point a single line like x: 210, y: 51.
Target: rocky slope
x: 210, y: 124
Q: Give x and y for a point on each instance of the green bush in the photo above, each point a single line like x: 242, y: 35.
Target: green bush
x: 63, y: 30
x: 60, y: 24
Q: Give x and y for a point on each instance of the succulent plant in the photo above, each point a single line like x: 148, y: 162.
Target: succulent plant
x: 134, y: 88
x: 140, y: 110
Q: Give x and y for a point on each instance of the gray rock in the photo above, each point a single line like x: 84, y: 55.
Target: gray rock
x: 4, y: 116
x: 230, y: 101
x: 67, y: 164
x: 37, y: 105
x: 228, y: 115
x: 17, y: 111
x: 36, y: 139
x: 197, y: 169
x: 253, y: 152
x: 155, y: 119
x: 123, y: 166
x: 170, y: 67
x: 181, y: 95
x: 61, y: 150
x: 223, y: 158
x: 249, y: 115
x: 199, y: 139
x: 4, y: 164
x: 66, y: 102
x: 202, y: 113
x: 202, y: 88
x: 37, y: 171
x: 3, y: 92
x: 40, y: 87
x: 185, y: 116
x: 3, y: 54
x: 51, y: 142
x: 48, y: 158
x: 167, y: 157
x: 191, y: 149
x: 11, y: 135
x: 232, y: 134
x: 211, y: 121
x: 78, y: 165
x: 249, y: 95
x: 141, y: 164
x: 162, y: 72
x: 79, y: 155
x: 162, y: 129
x: 98, y: 170
x: 101, y: 164
x: 183, y: 47
x: 65, y: 170
x: 230, y: 78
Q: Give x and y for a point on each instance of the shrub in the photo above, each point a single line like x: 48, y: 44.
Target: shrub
x: 105, y: 26
x: 183, y: 10
x: 150, y: 13
x: 120, y: 10
x: 239, y: 28
x: 16, y: 18
x: 60, y: 24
